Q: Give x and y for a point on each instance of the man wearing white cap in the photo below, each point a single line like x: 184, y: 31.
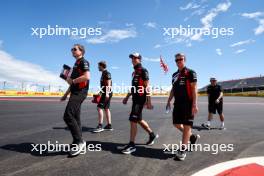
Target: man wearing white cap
x: 215, y: 103
x: 140, y: 97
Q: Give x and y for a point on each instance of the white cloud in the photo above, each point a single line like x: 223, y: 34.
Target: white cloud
x: 199, y: 9
x: 157, y: 46
x: 256, y: 16
x: 113, y: 36
x: 151, y: 25
x: 171, y: 41
x: 129, y: 24
x: 260, y: 28
x: 104, y: 22
x: 219, y: 51
x: 12, y: 69
x: 242, y: 43
x: 209, y: 17
x: 189, y: 44
x: 207, y: 20
x: 114, y: 67
x: 190, y: 5
x: 253, y: 15
x: 240, y: 51
x: 151, y: 59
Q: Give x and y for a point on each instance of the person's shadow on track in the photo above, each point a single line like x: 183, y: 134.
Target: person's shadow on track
x: 28, y: 148
x: 114, y: 148
x: 84, y: 129
x: 142, y: 150
x: 200, y: 128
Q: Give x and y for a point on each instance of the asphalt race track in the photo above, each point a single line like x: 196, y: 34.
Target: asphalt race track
x: 26, y: 121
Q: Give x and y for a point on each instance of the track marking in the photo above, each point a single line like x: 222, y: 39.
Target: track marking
x: 221, y: 167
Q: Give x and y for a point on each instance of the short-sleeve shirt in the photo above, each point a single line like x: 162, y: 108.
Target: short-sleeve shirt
x: 181, y: 84
x: 214, y: 92
x: 80, y: 66
x: 106, y: 76
x: 138, y: 90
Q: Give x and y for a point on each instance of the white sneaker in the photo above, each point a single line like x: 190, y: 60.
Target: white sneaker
x: 222, y: 127
x: 180, y: 155
x: 128, y: 149
x: 205, y: 125
x: 77, y: 148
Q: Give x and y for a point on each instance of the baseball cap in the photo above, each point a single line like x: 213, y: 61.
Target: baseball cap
x: 137, y: 55
x: 212, y: 79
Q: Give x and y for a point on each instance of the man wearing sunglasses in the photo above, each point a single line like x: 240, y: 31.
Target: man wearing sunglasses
x: 215, y: 103
x: 78, y: 89
x: 184, y: 92
x: 140, y: 97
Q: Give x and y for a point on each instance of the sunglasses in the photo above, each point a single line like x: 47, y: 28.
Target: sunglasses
x: 134, y: 58
x: 177, y: 60
x: 75, y: 49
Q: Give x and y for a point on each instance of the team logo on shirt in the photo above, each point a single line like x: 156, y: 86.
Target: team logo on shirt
x: 175, y: 78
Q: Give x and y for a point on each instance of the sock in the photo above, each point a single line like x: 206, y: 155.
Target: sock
x: 183, y: 148
x: 209, y: 122
x: 131, y: 143
x: 151, y: 134
x: 222, y: 123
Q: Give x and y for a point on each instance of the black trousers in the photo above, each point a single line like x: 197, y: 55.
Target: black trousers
x: 72, y: 115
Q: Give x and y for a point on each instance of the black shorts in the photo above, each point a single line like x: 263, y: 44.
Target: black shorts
x: 103, y: 103
x: 213, y: 107
x: 182, y: 114
x: 136, y: 112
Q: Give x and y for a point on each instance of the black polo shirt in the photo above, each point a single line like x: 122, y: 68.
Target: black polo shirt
x: 106, y: 76
x: 214, y: 92
x: 80, y: 66
x: 181, y: 87
x: 138, y: 90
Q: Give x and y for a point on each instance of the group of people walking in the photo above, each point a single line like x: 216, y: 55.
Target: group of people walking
x: 183, y: 91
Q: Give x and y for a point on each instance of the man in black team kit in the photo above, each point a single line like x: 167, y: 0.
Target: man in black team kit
x: 78, y: 89
x: 215, y: 103
x: 140, y: 96
x: 184, y: 91
x: 106, y: 95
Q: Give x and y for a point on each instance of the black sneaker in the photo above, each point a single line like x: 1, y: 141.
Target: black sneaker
x: 180, y: 155
x: 98, y: 129
x: 152, y: 138
x: 194, y: 138
x: 128, y: 149
x: 108, y: 127
x: 76, y: 149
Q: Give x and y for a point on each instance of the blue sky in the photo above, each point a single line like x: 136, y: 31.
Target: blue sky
x: 129, y: 26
